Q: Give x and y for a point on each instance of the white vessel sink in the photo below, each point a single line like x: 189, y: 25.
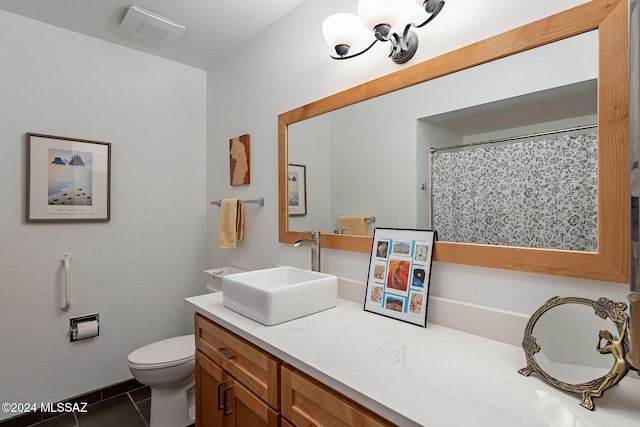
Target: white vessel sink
x: 279, y: 294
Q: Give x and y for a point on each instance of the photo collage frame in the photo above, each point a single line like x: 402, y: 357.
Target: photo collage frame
x: 399, y: 274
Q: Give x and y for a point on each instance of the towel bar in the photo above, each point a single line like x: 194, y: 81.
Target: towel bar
x: 258, y: 201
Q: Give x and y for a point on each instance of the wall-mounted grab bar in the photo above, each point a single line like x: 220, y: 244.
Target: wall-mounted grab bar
x: 258, y: 201
x: 65, y: 260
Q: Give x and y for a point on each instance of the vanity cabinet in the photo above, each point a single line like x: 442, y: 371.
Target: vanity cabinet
x: 239, y: 384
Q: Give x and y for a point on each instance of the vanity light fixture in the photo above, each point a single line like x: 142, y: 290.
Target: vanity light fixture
x: 343, y: 31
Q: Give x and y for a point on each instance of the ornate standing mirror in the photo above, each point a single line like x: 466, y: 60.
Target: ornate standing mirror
x: 602, y: 21
x: 578, y: 345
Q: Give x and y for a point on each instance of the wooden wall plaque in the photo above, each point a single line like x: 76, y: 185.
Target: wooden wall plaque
x: 239, y: 160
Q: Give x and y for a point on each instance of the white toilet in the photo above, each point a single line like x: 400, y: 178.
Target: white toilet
x: 168, y: 368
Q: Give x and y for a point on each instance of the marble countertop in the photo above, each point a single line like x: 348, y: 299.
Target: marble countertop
x: 433, y: 376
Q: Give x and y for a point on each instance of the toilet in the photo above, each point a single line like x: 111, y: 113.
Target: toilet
x: 168, y: 368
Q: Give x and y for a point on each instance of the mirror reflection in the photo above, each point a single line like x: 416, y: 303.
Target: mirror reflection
x: 568, y: 335
x: 510, y: 179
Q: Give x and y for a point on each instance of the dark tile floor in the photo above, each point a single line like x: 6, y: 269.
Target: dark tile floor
x: 130, y: 409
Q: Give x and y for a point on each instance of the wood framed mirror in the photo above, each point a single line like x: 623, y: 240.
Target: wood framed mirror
x: 610, y: 262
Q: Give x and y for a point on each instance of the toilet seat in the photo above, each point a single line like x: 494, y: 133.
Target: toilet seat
x: 164, y: 354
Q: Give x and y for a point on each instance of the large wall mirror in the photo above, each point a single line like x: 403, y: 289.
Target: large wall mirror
x: 437, y: 145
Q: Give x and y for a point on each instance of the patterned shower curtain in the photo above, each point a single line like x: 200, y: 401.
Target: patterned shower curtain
x: 538, y: 194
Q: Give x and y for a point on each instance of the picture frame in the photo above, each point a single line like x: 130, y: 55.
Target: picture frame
x: 399, y: 275
x: 68, y: 179
x: 297, y: 189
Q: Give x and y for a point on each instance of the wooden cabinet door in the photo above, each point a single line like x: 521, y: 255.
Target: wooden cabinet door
x: 243, y: 409
x: 255, y: 368
x: 211, y: 382
x: 307, y: 402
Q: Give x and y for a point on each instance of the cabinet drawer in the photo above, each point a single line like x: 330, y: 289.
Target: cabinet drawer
x: 253, y: 367
x: 306, y: 401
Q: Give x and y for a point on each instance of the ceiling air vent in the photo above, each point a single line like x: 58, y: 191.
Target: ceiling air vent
x: 151, y: 27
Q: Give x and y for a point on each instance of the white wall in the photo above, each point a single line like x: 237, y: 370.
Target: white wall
x: 308, y: 145
x: 134, y: 270
x: 288, y: 66
x: 374, y: 150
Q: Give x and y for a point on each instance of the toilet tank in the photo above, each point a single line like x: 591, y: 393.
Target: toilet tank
x: 215, y: 275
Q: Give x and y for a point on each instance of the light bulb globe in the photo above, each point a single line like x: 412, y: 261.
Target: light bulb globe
x: 343, y: 29
x: 376, y: 12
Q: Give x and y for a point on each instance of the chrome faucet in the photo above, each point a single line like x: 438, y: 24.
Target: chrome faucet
x: 314, y: 242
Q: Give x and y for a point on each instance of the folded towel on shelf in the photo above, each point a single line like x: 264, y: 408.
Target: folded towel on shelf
x: 353, y: 224
x: 231, y: 227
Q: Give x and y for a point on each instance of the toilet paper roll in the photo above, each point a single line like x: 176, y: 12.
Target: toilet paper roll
x: 87, y: 329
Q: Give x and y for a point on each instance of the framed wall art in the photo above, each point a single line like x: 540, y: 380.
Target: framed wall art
x: 68, y: 179
x: 399, y: 274
x: 297, y: 189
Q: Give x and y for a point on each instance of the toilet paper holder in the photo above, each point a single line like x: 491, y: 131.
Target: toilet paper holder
x: 83, y: 327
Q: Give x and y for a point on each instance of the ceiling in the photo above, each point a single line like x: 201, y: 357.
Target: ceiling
x: 564, y: 102
x: 215, y: 28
